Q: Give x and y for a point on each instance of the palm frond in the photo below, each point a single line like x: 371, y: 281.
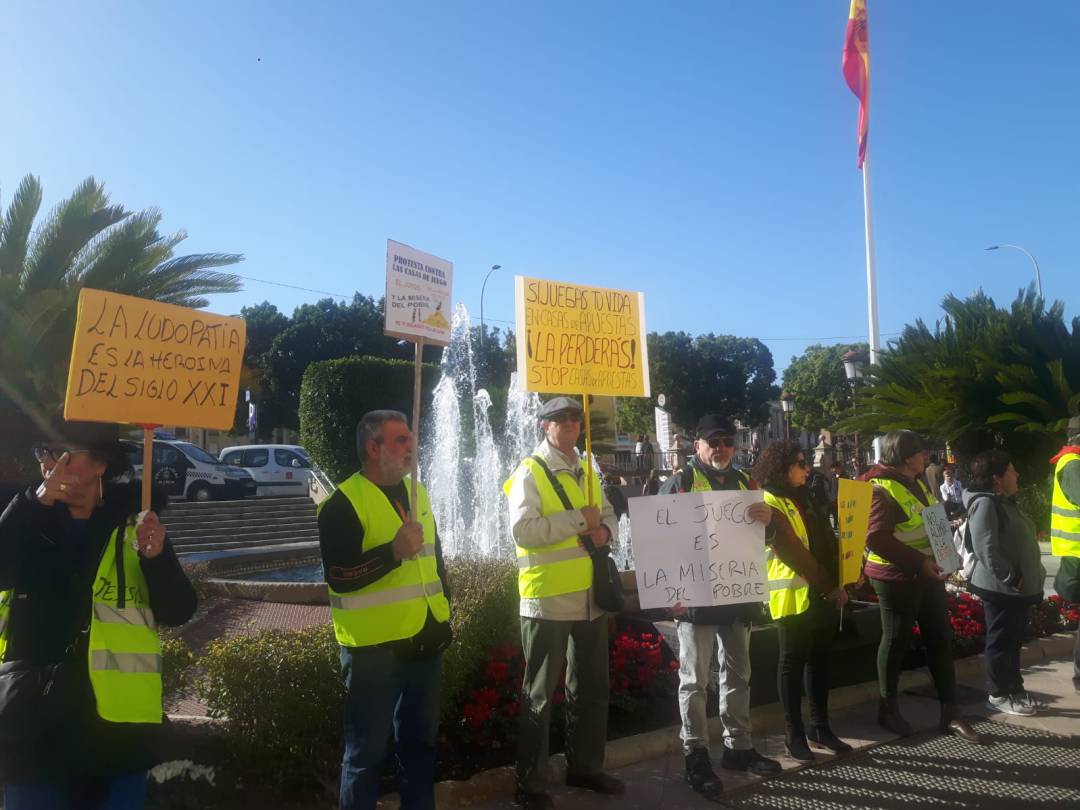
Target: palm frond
x: 16, y: 227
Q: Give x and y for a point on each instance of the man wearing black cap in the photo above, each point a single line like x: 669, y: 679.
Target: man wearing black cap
x: 710, y: 469
x: 549, y: 516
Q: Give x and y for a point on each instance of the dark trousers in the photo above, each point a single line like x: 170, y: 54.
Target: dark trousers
x: 544, y: 643
x: 903, y: 604
x: 385, y: 693
x: 805, y: 644
x: 1006, y: 624
x: 127, y: 792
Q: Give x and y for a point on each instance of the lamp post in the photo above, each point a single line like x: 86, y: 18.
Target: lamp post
x: 483, y: 286
x: 853, y: 370
x: 1038, y: 275
x: 787, y: 405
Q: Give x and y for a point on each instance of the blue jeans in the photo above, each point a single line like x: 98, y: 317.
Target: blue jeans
x: 385, y: 693
x: 127, y: 792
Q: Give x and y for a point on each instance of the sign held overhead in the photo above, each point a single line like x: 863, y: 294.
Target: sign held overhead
x: 417, y: 294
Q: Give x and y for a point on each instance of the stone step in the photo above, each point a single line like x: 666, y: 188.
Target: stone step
x: 239, y: 544
x: 185, y: 527
x: 182, y: 506
x: 250, y: 537
x: 212, y: 511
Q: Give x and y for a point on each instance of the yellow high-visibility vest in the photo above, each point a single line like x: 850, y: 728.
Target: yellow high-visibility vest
x: 703, y: 484
x: 1064, y: 516
x: 911, y: 532
x: 563, y: 566
x: 789, y: 595
x: 395, y: 606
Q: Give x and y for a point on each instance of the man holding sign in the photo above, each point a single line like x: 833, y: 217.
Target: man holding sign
x: 710, y: 469
x: 909, y: 583
x: 549, y: 517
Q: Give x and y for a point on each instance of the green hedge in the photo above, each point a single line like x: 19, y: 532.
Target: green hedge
x: 336, y: 393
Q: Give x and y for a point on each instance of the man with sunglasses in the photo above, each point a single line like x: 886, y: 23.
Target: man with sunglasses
x: 550, y: 518
x: 710, y: 468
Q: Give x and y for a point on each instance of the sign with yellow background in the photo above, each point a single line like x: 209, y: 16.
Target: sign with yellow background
x: 582, y: 340
x: 143, y: 362
x: 853, y: 508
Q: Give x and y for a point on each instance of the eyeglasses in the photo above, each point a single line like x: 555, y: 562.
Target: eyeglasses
x: 716, y: 441
x: 45, y: 453
x: 566, y: 416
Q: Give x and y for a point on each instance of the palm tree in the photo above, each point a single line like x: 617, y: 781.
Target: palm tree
x: 84, y: 242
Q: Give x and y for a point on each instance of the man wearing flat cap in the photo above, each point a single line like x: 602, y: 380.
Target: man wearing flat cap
x: 560, y: 620
x: 710, y: 468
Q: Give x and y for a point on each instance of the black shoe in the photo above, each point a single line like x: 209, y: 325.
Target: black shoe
x: 700, y: 774
x: 533, y: 801
x: 797, y: 749
x: 597, y: 783
x: 822, y: 736
x: 750, y: 761
x: 1076, y: 684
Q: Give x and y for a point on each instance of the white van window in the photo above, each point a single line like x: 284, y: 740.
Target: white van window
x: 197, y: 453
x: 232, y: 458
x: 285, y: 458
x: 256, y: 458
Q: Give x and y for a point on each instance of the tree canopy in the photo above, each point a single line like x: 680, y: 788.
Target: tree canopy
x: 820, y: 390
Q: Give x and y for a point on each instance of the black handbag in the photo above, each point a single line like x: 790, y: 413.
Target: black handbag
x: 607, y: 585
x: 37, y: 700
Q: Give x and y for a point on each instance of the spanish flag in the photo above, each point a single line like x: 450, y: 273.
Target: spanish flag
x: 856, y: 66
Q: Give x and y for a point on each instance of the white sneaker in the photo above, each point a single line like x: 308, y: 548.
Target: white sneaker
x: 1028, y: 700
x: 1009, y: 704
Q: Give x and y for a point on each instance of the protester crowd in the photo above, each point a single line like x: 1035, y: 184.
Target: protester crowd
x: 86, y: 578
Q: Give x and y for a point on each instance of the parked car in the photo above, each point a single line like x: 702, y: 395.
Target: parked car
x: 278, y: 469
x: 184, y: 469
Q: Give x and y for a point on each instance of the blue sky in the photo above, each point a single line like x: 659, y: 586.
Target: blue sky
x: 702, y: 152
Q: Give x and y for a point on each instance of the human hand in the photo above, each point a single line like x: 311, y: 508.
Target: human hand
x: 931, y: 570
x: 600, y: 536
x: 838, y: 596
x: 408, y: 541
x: 59, y: 485
x: 591, y: 514
x: 760, y: 512
x: 150, y: 536
x: 677, y: 610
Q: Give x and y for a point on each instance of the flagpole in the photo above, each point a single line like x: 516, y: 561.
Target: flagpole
x: 871, y: 267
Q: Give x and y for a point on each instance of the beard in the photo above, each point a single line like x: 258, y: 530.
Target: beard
x: 717, y: 464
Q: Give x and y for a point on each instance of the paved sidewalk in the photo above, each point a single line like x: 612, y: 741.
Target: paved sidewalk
x: 657, y: 783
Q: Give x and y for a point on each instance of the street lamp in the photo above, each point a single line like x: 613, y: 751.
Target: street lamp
x: 853, y: 370
x: 1038, y: 275
x: 483, y: 286
x: 787, y: 405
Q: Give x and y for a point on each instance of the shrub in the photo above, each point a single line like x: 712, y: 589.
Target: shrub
x: 1034, y: 501
x: 334, y: 395
x: 176, y: 662
x: 483, y: 614
x: 281, y: 693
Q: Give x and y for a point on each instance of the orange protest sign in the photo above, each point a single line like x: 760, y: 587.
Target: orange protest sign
x: 853, y: 513
x: 143, y: 362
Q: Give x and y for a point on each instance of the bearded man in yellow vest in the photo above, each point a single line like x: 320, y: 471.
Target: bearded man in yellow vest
x: 389, y: 604
x: 909, y: 583
x: 1065, y: 526
x: 549, y: 516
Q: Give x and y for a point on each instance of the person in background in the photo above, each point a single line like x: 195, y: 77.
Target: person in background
x: 908, y: 582
x: 1008, y: 575
x: 84, y: 584
x: 652, y: 483
x: 951, y: 490
x: 550, y: 516
x: 1065, y: 526
x: 613, y: 492
x: 727, y: 625
x: 836, y: 472
x: 391, y: 613
x: 804, y: 596
x: 639, y: 455
x: 933, y: 474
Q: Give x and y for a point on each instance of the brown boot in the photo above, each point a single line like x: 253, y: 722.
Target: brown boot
x: 952, y: 722
x: 888, y: 716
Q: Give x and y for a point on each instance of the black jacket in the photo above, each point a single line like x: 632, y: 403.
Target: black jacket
x: 50, y: 562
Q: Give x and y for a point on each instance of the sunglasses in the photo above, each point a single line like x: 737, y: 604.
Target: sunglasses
x: 566, y: 416
x: 45, y: 453
x: 716, y: 441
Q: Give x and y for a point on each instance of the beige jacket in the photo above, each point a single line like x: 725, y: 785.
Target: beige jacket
x: 531, y: 529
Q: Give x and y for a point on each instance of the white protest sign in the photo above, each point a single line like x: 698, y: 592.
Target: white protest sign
x: 417, y: 294
x: 698, y: 548
x: 941, y: 537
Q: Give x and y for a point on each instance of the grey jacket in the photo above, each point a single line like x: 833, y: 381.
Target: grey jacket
x: 1007, y: 557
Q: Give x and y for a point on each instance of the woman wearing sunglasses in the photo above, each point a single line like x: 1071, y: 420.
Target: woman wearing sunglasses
x: 83, y: 585
x: 803, y: 595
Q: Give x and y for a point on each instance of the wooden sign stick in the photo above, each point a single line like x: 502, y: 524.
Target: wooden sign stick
x: 147, y: 464
x: 588, y: 454
x: 416, y: 425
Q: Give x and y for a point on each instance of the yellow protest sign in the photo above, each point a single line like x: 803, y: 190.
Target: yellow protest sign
x: 143, y: 362
x: 853, y: 513
x: 584, y: 340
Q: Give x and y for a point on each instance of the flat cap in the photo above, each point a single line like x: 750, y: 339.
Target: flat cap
x: 1074, y: 426
x: 712, y: 423
x: 559, y: 405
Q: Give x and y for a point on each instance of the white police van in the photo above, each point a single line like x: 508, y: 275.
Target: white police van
x: 182, y: 469
x: 278, y: 469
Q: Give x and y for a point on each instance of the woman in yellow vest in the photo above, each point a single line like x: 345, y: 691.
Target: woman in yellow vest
x: 1065, y: 526
x: 803, y: 596
x: 908, y: 582
x: 82, y: 591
